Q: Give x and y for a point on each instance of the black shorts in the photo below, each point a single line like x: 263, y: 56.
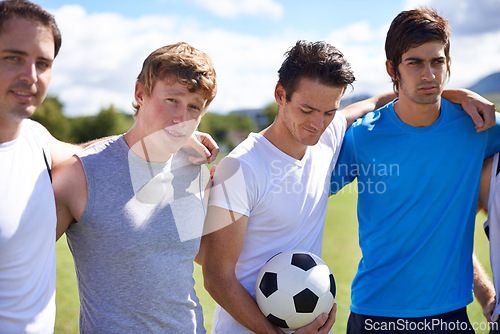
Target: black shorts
x: 452, y: 322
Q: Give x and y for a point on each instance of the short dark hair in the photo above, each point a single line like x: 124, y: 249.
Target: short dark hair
x: 314, y: 60
x: 411, y: 29
x: 11, y: 9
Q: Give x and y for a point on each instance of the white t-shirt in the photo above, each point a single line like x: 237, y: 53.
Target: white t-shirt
x: 27, y: 234
x: 493, y: 222
x: 285, y: 200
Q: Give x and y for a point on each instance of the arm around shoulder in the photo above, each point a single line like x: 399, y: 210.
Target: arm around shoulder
x: 61, y: 151
x: 479, y: 109
x: 360, y: 109
x: 70, y: 190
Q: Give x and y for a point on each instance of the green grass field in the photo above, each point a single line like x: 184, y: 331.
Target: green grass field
x: 340, y: 251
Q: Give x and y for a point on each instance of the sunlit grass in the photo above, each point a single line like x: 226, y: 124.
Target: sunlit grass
x: 340, y: 251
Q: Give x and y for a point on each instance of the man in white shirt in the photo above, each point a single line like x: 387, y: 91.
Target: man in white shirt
x: 270, y: 193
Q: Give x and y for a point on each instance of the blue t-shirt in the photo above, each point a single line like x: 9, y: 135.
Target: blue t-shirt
x: 417, y: 199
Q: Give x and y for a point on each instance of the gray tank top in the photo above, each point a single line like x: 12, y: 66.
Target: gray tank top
x: 134, y: 246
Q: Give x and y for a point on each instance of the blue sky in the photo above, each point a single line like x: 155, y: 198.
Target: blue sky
x: 105, y: 42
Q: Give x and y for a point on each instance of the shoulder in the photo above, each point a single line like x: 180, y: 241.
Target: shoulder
x: 35, y: 126
x: 243, y: 161
x: 68, y: 171
x: 69, y: 179
x: 102, y: 145
x: 249, y: 146
x: 38, y: 137
x: 373, y: 118
x: 56, y: 151
x: 337, y: 126
x: 368, y: 123
x: 250, y: 151
x: 37, y: 131
x: 454, y: 110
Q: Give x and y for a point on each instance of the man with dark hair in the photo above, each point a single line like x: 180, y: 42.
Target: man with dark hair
x: 29, y: 42
x: 270, y: 193
x: 417, y: 162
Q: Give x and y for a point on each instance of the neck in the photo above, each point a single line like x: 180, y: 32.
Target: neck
x: 145, y: 148
x: 9, y: 131
x: 416, y: 114
x: 281, y: 137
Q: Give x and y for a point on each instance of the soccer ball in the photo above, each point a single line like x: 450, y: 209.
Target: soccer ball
x: 293, y: 288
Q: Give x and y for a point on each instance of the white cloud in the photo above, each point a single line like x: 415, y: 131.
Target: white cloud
x: 235, y: 8
x: 358, y: 32
x: 473, y: 57
x: 467, y: 17
x: 475, y: 40
x: 363, y: 47
x: 102, y: 55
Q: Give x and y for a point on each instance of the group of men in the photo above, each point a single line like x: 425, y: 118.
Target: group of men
x: 137, y: 210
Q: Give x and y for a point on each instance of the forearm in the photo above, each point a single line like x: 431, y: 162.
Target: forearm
x: 360, y: 109
x: 479, y: 109
x: 235, y: 299
x: 456, y: 95
x: 483, y: 288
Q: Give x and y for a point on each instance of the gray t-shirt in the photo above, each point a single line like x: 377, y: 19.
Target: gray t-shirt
x: 135, y: 243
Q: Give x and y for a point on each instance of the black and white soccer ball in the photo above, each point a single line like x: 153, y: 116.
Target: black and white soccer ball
x: 293, y: 288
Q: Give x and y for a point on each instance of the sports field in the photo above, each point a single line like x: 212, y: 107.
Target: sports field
x: 340, y: 251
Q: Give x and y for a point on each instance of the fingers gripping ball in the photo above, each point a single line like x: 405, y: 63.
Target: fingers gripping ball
x: 293, y: 288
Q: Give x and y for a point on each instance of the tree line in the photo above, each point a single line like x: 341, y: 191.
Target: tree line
x: 227, y: 130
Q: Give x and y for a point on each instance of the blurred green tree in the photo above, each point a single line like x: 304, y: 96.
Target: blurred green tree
x: 50, y: 114
x: 109, y: 121
x: 271, y: 111
x: 227, y: 130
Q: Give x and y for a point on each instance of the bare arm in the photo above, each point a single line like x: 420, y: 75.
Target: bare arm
x: 479, y: 109
x: 61, y: 151
x: 70, y: 190
x: 220, y: 251
x: 484, y: 186
x: 360, y: 109
x: 483, y: 289
x: 207, y: 176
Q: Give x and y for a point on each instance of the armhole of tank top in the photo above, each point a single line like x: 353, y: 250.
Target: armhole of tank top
x: 498, y: 164
x: 47, y: 165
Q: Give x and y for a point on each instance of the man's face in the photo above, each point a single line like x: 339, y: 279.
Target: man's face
x: 170, y: 115
x: 423, y: 71
x: 310, y: 110
x: 26, y: 57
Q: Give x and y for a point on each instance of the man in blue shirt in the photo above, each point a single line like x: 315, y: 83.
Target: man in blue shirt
x: 418, y: 163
